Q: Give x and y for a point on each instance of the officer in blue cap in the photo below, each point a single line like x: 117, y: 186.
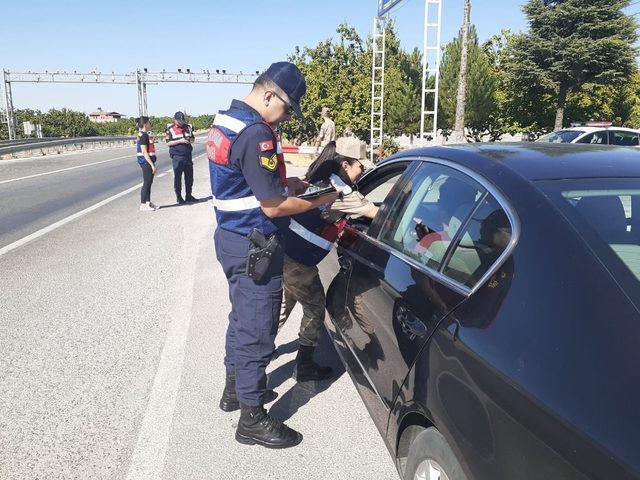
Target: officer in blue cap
x: 249, y: 187
x: 180, y: 139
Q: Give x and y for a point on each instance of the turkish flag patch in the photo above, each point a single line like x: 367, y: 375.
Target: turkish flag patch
x: 266, y: 146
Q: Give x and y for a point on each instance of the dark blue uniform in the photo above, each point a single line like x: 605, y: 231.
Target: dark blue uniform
x: 181, y: 157
x: 245, y: 169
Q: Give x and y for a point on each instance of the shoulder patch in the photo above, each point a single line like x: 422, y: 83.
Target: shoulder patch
x: 269, y: 163
x: 266, y: 146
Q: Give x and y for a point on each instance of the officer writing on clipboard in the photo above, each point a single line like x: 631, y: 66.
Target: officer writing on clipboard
x: 249, y: 186
x: 180, y: 139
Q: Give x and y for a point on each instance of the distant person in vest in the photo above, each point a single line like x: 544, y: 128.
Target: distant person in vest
x: 327, y: 130
x: 310, y: 237
x: 146, y: 154
x: 249, y: 187
x: 180, y: 139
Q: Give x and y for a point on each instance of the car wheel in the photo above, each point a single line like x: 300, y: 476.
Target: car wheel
x: 431, y: 458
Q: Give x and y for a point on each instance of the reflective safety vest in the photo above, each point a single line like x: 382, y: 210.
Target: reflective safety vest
x: 175, y: 132
x: 237, y: 209
x: 310, y: 238
x: 151, y: 149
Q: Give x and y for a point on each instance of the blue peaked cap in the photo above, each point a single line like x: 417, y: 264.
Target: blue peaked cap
x: 290, y: 79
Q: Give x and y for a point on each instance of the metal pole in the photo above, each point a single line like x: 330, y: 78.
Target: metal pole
x: 8, y: 104
x: 144, y: 99
x: 437, y: 74
x: 140, y: 103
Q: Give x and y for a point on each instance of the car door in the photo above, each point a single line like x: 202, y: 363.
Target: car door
x: 396, y: 292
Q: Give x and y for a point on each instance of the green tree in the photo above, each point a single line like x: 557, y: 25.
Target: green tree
x: 481, y: 112
x: 571, y: 43
x: 337, y: 74
x: 402, y: 95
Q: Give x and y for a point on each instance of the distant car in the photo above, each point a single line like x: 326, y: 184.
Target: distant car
x: 489, y: 315
x: 594, y: 135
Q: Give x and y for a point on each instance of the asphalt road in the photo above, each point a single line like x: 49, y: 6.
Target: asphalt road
x: 112, y: 329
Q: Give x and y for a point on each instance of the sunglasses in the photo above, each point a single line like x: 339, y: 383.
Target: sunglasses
x: 290, y: 109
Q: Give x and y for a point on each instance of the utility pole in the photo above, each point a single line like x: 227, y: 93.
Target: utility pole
x: 458, y: 135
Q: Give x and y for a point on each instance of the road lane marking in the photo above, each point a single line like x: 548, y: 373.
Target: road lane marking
x: 64, y: 221
x: 149, y: 455
x: 65, y: 169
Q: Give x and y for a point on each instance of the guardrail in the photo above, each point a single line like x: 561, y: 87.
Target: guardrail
x: 44, y: 147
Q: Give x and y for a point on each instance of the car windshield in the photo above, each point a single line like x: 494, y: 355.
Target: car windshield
x: 606, y: 212
x: 562, y: 136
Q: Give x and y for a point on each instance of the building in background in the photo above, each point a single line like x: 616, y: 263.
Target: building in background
x: 101, y: 116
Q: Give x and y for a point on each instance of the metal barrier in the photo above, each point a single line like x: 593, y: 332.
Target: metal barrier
x: 55, y: 146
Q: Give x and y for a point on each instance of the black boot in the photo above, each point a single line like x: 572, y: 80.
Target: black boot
x: 179, y: 199
x: 191, y: 199
x: 256, y: 427
x: 229, y: 401
x: 306, y: 369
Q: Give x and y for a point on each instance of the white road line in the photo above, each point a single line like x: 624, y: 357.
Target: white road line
x: 64, y: 221
x: 149, y: 455
x: 63, y: 169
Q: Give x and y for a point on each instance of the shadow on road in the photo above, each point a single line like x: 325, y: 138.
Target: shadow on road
x: 299, y: 395
x: 173, y: 205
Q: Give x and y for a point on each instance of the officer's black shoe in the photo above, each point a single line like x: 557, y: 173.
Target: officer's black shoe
x: 256, y: 427
x: 191, y: 199
x: 229, y: 401
x: 180, y: 200
x: 306, y: 369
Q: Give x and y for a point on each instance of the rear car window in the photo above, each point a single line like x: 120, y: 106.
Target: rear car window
x: 485, y: 237
x: 606, y: 212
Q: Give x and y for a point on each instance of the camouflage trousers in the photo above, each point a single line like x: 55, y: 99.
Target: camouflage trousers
x: 302, y: 284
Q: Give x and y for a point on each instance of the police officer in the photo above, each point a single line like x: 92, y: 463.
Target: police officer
x: 180, y: 139
x: 249, y: 186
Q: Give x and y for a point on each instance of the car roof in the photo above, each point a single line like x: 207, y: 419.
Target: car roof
x: 588, y: 129
x: 539, y: 161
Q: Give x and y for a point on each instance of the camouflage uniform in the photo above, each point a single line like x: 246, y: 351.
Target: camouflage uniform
x: 302, y: 283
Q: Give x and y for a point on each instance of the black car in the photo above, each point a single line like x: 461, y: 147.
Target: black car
x: 489, y: 315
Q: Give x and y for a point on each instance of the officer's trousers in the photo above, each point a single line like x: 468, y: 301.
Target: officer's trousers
x: 302, y: 284
x: 182, y: 164
x: 253, y: 320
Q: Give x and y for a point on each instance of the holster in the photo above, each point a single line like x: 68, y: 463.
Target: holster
x: 261, y: 256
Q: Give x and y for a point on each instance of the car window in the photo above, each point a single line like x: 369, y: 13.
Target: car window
x: 595, y: 138
x: 428, y: 213
x: 562, y: 136
x: 484, y: 238
x: 606, y: 212
x: 380, y: 192
x: 620, y: 137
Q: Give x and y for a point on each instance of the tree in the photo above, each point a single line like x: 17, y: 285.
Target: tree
x: 482, y: 114
x: 404, y: 87
x: 571, y: 43
x: 461, y: 97
x: 337, y: 74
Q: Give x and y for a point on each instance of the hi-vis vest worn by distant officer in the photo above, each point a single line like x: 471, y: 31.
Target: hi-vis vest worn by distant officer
x: 237, y: 209
x: 176, y: 132
x: 151, y: 149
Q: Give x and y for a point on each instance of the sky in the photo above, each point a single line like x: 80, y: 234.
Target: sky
x: 241, y: 35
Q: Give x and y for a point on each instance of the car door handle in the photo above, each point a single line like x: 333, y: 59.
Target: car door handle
x: 410, y: 325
